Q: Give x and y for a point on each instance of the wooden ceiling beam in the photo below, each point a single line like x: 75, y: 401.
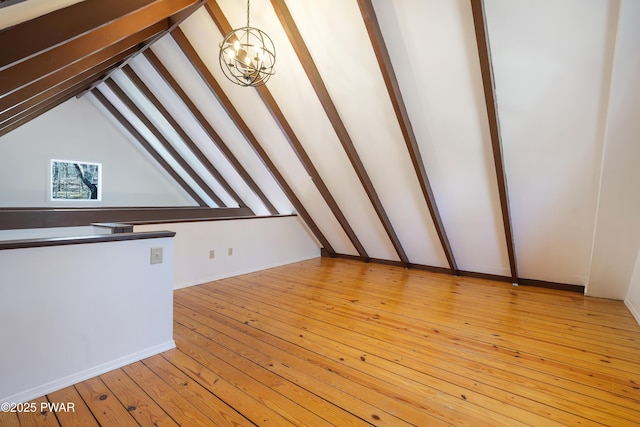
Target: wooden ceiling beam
x: 235, y: 116
x: 132, y: 41
x: 61, y: 26
x: 208, y: 129
x: 189, y: 142
x: 43, y: 104
x: 16, y: 122
x: 84, y: 77
x: 173, y: 21
x: 265, y: 94
x: 147, y: 146
x: 484, y: 54
x: 131, y: 105
x: 306, y: 60
x: 51, y: 60
x: 395, y: 95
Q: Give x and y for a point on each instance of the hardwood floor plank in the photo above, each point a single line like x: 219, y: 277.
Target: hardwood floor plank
x: 215, y: 409
x: 244, y: 403
x: 138, y: 403
x: 474, y: 316
x: 262, y: 387
x: 178, y: 407
x: 430, y: 289
x: 424, y: 400
x: 77, y: 415
x: 454, y: 328
x: 355, y: 351
x: 9, y: 419
x: 623, y: 410
x: 104, y: 405
x: 37, y: 417
x: 329, y: 412
x: 491, y: 338
x: 326, y: 382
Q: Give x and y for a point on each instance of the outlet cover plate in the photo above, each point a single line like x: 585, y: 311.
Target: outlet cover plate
x: 156, y: 255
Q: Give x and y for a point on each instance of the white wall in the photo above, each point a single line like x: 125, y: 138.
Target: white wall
x: 552, y: 62
x: 77, y: 130
x: 256, y: 244
x: 617, y: 232
x: 68, y: 313
x: 633, y: 296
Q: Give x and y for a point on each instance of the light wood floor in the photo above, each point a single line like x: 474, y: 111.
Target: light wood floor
x: 338, y: 342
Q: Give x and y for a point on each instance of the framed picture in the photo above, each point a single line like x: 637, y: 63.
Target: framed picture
x: 71, y: 180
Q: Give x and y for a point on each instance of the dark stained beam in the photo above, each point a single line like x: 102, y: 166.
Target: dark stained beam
x: 395, y: 95
x: 44, y: 104
x: 173, y: 22
x: 63, y: 75
x: 61, y: 26
x: 16, y: 218
x: 80, y: 79
x: 223, y: 25
x: 40, y: 66
x: 128, y: 102
x: 340, y: 129
x: 225, y: 102
x: 208, y: 129
x: 14, y: 124
x: 190, y: 143
x: 484, y: 53
x: 147, y: 146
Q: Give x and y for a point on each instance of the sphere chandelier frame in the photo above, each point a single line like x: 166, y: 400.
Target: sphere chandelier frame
x: 247, y: 55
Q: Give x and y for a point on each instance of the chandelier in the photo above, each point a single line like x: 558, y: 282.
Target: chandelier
x: 247, y: 55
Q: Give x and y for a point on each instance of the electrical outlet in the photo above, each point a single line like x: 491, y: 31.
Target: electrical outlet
x: 230, y: 251
x: 156, y: 255
x: 212, y: 254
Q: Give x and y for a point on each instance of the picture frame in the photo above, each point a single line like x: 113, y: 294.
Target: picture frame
x: 75, y: 181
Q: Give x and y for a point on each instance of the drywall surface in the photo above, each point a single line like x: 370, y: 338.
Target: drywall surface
x: 617, y: 233
x: 69, y: 313
x: 77, y: 131
x: 633, y: 296
x: 255, y: 244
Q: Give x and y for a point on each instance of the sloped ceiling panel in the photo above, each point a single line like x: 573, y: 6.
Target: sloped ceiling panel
x: 183, y: 115
x: 253, y: 110
x: 267, y: 133
x: 552, y: 63
x: 433, y: 49
x: 175, y: 140
x: 148, y: 134
x: 340, y: 46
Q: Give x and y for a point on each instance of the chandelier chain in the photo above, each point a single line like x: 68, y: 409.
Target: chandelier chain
x: 248, y: 1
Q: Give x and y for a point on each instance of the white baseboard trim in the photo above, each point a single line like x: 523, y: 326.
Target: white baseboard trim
x: 72, y: 379
x: 635, y: 312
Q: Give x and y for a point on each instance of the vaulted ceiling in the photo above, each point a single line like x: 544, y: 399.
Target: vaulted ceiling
x: 460, y: 135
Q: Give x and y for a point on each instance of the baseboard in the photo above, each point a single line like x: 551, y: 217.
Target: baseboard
x: 69, y: 380
x: 551, y: 285
x: 634, y: 311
